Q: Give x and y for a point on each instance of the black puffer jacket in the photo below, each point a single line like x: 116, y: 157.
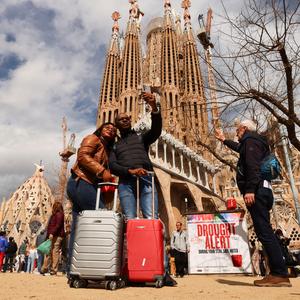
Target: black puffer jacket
x: 253, y: 148
x: 131, y: 151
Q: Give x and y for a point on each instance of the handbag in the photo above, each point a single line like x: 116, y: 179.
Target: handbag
x: 108, y: 188
x: 45, y: 247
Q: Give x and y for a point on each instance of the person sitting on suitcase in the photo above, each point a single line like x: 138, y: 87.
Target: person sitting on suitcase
x: 129, y: 158
x: 180, y: 247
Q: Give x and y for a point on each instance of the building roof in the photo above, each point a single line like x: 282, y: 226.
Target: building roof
x: 154, y: 24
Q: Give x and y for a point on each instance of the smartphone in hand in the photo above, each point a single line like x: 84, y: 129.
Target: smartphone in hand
x: 146, y: 89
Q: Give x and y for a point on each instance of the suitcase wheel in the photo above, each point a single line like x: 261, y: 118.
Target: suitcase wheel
x: 111, y: 285
x: 120, y: 284
x: 70, y: 283
x: 79, y: 283
x: 159, y: 283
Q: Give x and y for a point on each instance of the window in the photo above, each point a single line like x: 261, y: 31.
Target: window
x: 130, y: 104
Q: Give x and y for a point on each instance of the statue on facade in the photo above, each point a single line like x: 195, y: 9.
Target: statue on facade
x: 135, y: 11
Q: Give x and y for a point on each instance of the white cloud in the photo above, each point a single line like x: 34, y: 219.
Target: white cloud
x: 61, y: 45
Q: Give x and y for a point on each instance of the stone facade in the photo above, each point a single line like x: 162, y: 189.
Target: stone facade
x: 187, y: 176
x: 185, y: 179
x: 27, y: 211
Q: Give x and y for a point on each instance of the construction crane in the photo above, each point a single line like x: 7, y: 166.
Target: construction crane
x: 68, y: 151
x: 204, y: 38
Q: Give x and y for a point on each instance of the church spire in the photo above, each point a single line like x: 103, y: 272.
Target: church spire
x: 108, y: 102
x: 130, y: 83
x: 170, y: 74
x: 193, y: 91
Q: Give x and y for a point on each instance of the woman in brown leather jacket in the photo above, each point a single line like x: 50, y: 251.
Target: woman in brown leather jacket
x: 90, y: 168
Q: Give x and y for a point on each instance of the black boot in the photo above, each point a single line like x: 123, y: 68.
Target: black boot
x: 169, y: 281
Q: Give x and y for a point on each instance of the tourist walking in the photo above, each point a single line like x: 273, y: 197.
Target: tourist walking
x: 180, y: 248
x: 56, y: 233
x: 23, y: 256
x: 32, y: 256
x: 258, y: 196
x: 10, y: 255
x: 39, y: 240
x: 3, y: 246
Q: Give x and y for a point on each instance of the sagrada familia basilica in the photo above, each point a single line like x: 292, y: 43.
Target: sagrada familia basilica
x: 188, y: 177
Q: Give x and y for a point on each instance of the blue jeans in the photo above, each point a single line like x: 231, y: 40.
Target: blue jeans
x: 30, y: 264
x: 260, y: 215
x: 40, y: 260
x: 127, y: 194
x: 83, y: 196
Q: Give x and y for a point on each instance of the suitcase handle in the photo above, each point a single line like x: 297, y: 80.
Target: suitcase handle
x: 138, y: 193
x: 99, y: 193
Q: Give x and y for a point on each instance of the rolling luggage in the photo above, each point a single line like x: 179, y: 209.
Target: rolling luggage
x: 145, y: 247
x: 98, y: 242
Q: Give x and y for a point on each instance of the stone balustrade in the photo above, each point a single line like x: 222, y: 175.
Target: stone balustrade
x: 174, y: 157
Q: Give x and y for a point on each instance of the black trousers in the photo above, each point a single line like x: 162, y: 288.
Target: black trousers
x: 9, y: 262
x: 260, y: 215
x: 180, y: 261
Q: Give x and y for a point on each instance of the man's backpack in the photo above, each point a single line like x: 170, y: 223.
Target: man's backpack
x: 270, y: 167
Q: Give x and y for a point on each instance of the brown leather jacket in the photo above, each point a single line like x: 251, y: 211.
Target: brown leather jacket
x: 92, y: 159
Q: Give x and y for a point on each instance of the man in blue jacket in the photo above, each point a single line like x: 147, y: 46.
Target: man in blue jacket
x: 3, y: 246
x: 258, y: 197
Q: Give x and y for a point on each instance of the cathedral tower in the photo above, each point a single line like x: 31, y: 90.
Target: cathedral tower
x: 170, y: 102
x: 152, y: 65
x: 108, y: 102
x: 130, y: 84
x: 193, y: 99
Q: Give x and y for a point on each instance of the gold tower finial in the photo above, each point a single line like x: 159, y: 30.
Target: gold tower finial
x: 185, y: 4
x: 167, y: 3
x: 115, y: 16
x: 135, y: 11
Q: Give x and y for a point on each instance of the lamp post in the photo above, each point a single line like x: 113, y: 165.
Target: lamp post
x: 277, y: 199
x: 290, y: 172
x: 186, y: 210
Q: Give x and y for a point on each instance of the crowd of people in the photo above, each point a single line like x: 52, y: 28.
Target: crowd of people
x: 28, y: 258
x: 100, y: 158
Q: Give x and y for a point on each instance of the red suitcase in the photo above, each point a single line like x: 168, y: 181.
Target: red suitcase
x: 145, y: 247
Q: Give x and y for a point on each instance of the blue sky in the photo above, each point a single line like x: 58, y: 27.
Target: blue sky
x: 52, y: 55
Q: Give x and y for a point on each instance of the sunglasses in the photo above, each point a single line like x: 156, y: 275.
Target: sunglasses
x: 112, y: 129
x: 124, y: 119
